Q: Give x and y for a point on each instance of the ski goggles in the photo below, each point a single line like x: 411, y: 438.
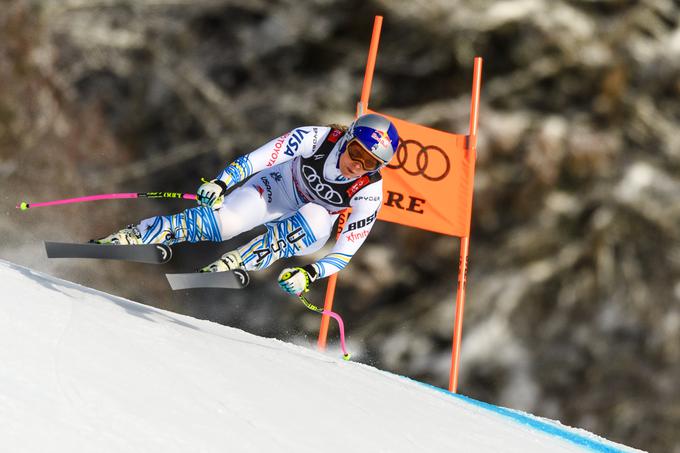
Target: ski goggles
x: 358, y: 153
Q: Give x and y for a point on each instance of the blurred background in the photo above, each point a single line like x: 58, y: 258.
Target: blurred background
x: 573, y: 306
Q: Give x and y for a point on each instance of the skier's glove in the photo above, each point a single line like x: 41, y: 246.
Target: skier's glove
x: 211, y: 193
x: 296, y: 280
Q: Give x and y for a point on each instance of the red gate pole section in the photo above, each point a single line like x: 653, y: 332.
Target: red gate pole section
x: 370, y: 62
x: 465, y: 241
x: 365, y: 93
x: 330, y: 291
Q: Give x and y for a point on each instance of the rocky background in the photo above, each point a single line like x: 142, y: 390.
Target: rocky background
x: 573, y: 306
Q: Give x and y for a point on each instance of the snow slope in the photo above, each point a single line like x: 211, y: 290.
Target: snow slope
x: 85, y: 371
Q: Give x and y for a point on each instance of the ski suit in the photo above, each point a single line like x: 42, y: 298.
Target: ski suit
x: 296, y: 190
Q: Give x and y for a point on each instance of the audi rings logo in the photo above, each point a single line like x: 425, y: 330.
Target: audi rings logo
x: 321, y: 190
x: 431, y: 162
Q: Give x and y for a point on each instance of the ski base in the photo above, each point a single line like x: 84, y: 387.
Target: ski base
x: 142, y: 253
x: 235, y: 279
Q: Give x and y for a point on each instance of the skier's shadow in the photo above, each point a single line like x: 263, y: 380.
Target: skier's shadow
x: 188, y: 257
x: 133, y: 308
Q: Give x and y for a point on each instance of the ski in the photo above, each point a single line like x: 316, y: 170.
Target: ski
x: 235, y: 279
x: 143, y: 253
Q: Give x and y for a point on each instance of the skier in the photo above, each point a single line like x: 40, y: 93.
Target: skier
x: 300, y: 182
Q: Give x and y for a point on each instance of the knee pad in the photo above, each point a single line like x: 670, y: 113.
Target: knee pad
x: 319, y: 220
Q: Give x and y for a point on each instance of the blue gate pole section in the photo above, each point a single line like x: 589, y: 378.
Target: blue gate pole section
x: 594, y: 443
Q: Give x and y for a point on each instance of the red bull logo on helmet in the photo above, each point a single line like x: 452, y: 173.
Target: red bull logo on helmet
x: 381, y: 140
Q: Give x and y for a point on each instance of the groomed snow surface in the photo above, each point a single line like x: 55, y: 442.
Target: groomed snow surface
x: 85, y: 371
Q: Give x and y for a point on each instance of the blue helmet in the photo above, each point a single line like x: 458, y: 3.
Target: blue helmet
x: 377, y: 134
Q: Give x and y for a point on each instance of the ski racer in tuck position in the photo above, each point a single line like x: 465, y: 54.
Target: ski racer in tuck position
x: 299, y: 183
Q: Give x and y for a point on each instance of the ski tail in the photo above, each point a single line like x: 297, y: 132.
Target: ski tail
x: 234, y: 279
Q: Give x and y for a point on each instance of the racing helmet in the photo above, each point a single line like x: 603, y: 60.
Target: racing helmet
x: 376, y: 134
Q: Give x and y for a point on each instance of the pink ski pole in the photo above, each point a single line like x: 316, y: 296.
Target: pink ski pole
x: 311, y: 306
x: 332, y: 314
x: 107, y: 196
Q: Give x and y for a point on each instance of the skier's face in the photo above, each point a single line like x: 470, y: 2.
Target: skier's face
x: 356, y: 161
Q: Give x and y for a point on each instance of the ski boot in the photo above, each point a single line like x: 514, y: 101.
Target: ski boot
x: 228, y: 262
x: 126, y: 236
